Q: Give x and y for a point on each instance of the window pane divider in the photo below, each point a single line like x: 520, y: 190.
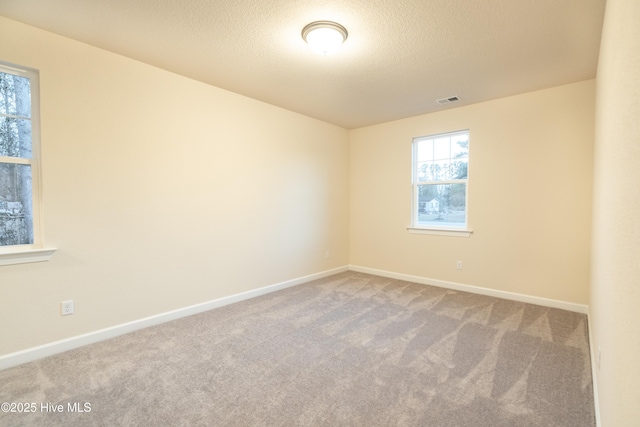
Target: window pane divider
x: 13, y: 116
x: 15, y: 160
x: 452, y: 181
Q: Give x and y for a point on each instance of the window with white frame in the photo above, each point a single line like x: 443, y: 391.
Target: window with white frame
x: 440, y: 173
x: 19, y: 161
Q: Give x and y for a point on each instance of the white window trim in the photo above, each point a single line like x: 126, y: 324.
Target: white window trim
x: 36, y: 252
x: 24, y: 256
x: 455, y: 232
x: 463, y: 230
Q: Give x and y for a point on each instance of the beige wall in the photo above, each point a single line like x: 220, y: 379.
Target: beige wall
x: 615, y: 287
x: 530, y: 178
x: 162, y: 192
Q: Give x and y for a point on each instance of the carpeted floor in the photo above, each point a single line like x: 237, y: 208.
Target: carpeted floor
x: 348, y: 350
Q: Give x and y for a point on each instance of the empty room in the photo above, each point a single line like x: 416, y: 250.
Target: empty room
x: 408, y: 213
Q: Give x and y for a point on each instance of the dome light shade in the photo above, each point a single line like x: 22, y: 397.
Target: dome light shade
x: 324, y: 37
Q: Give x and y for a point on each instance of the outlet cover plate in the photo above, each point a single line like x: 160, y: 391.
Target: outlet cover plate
x: 66, y: 307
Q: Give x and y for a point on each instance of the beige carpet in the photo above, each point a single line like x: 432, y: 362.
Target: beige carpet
x: 349, y: 350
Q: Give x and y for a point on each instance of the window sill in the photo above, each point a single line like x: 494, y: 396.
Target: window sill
x: 26, y: 255
x: 455, y: 232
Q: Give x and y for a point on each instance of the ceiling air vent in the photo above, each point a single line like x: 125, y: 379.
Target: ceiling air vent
x: 448, y: 100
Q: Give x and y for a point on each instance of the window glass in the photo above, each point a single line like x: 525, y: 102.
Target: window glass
x: 17, y: 164
x: 16, y: 213
x: 440, y: 174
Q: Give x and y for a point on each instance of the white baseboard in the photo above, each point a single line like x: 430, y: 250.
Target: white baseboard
x: 39, y: 352
x: 546, y: 302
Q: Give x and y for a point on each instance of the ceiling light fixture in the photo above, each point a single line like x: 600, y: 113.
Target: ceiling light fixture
x: 324, y: 37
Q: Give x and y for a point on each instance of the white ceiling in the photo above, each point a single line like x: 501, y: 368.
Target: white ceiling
x: 401, y: 55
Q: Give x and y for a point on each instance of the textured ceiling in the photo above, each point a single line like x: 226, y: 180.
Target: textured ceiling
x: 400, y: 56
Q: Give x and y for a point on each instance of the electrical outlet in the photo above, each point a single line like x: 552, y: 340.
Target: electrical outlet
x: 458, y: 265
x: 66, y: 307
x: 327, y: 255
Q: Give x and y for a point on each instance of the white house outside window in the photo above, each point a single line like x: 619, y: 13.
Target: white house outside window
x: 440, y: 174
